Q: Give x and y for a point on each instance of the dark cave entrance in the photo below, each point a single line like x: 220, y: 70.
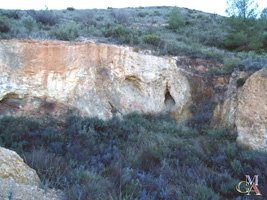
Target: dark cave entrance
x: 169, y: 101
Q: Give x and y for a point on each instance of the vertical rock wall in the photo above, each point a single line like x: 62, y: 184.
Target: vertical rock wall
x: 87, y: 78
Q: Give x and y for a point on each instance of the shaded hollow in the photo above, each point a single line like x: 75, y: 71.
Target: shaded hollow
x: 12, y: 99
x: 169, y: 101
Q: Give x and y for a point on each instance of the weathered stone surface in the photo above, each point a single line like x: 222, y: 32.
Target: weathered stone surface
x: 251, y: 115
x: 224, y: 114
x: 13, y: 167
x: 21, y: 191
x: 40, y: 77
x: 88, y: 78
x: 245, y: 109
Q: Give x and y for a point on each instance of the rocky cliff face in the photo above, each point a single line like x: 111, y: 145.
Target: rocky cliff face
x: 89, y: 79
x: 245, y: 109
x: 224, y: 114
x: 49, y: 77
x: 251, y: 113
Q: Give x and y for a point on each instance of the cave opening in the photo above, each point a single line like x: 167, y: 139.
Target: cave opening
x: 169, y: 101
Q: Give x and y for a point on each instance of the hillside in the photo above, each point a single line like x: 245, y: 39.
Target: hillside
x: 128, y: 104
x: 199, y: 34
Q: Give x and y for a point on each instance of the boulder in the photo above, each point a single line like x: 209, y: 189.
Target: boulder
x: 12, y: 166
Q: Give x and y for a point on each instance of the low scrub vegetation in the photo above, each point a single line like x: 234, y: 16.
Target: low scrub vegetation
x: 137, y: 157
x: 173, y: 31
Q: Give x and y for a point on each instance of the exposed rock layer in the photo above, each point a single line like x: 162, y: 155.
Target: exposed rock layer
x: 245, y: 109
x: 40, y: 77
x: 251, y: 114
x: 90, y: 79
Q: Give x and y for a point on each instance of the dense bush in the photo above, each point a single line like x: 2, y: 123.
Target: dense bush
x: 70, y: 8
x: 176, y: 19
x: 142, y: 14
x: 3, y: 26
x: 13, y: 14
x: 122, y: 34
x: 29, y: 23
x: 152, y: 39
x: 245, y: 62
x: 119, y: 31
x: 87, y: 18
x: 68, y: 31
x: 120, y: 17
x: 45, y: 17
x: 138, y: 157
x: 240, y: 82
x: 202, y: 115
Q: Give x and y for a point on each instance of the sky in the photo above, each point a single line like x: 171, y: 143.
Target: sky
x: 211, y: 6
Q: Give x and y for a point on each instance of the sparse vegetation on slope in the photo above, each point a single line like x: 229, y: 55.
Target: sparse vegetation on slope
x: 138, y: 157
x: 164, y: 30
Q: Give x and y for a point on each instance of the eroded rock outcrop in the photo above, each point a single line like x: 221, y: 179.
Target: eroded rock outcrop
x: 245, y: 109
x: 89, y: 79
x: 12, y: 166
x: 224, y: 114
x: 19, y: 181
x: 251, y: 114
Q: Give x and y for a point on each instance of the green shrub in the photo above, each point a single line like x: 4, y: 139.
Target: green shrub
x: 244, y: 34
x: 87, y: 185
x: 230, y: 64
x: 93, y: 123
x: 214, y: 54
x: 202, y: 115
x: 157, y: 13
x: 142, y: 14
x: 87, y: 18
x: 201, y: 192
x: 152, y: 39
x: 49, y: 167
x: 122, y: 34
x: 176, y: 19
x: 141, y: 156
x: 45, y: 17
x: 240, y: 82
x: 150, y: 158
x: 28, y: 22
x: 119, y: 31
x: 120, y: 17
x: 228, y: 190
x: 68, y: 31
x: 222, y: 134
x: 70, y: 8
x: 11, y: 14
x: 100, y: 18
x: 236, y: 166
x: 3, y: 27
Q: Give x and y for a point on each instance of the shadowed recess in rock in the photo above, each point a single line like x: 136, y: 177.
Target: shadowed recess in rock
x: 12, y: 99
x: 169, y: 101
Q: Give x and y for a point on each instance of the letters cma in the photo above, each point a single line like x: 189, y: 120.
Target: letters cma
x: 253, y: 185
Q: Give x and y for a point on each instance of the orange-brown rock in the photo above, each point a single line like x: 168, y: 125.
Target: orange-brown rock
x: 251, y: 115
x: 54, y: 77
x: 39, y: 77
